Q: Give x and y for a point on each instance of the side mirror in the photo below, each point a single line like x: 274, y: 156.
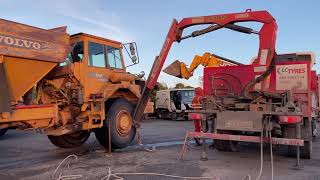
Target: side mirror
x: 132, y: 52
x: 132, y: 49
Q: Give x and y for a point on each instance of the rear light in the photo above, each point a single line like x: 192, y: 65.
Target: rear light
x: 289, y: 119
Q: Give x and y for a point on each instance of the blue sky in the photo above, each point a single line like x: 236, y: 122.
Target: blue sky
x: 147, y: 23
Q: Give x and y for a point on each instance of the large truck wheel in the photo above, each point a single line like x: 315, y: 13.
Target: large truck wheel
x: 305, y: 151
x: 70, y: 140
x: 226, y: 145
x: 122, y: 129
x: 306, y: 133
x: 174, y: 116
x: 159, y: 113
x: 3, y: 131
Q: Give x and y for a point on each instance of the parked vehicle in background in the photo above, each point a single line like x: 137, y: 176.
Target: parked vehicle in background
x: 172, y: 103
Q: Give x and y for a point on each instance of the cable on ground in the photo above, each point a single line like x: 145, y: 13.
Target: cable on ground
x: 110, y: 173
x: 268, y: 134
x: 117, y: 175
x: 72, y: 158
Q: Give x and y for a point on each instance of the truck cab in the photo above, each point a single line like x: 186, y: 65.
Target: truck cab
x: 95, y: 72
x: 98, y: 62
x: 173, y: 103
x: 67, y: 86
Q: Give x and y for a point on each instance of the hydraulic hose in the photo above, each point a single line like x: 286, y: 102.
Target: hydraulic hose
x: 258, y: 79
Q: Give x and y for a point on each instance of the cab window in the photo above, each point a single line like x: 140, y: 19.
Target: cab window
x: 96, y: 55
x: 76, y: 55
x: 114, y: 58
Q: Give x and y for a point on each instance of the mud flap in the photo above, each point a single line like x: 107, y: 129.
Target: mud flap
x: 5, y: 100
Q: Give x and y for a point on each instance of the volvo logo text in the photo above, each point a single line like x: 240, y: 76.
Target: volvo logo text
x: 18, y: 42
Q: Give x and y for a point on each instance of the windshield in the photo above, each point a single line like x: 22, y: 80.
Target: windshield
x: 114, y: 58
x: 187, y: 96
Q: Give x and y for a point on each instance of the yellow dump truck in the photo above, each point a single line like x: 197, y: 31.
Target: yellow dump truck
x: 67, y: 86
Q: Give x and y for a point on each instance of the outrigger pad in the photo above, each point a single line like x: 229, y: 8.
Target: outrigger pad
x: 174, y: 69
x: 5, y: 105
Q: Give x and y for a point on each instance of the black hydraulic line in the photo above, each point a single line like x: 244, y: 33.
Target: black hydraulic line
x: 201, y: 32
x: 259, y: 79
x: 226, y: 59
x: 241, y: 29
x: 216, y: 27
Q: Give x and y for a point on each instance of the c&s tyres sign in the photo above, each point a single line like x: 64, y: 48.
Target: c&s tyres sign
x: 293, y: 76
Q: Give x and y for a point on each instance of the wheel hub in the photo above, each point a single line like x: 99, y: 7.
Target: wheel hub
x: 124, y: 123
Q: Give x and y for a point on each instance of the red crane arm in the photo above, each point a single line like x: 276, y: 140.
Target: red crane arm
x: 267, y: 37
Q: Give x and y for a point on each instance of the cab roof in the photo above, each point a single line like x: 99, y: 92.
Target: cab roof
x: 95, y: 37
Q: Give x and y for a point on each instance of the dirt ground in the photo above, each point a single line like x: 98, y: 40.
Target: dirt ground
x: 28, y: 155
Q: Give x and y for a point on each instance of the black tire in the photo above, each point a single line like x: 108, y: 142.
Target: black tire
x: 119, y: 138
x: 174, y: 116
x: 70, y: 140
x: 305, y: 151
x: 159, y: 114
x: 306, y: 134
x: 227, y: 146
x: 3, y: 132
x: 198, y: 141
x: 224, y: 145
x: 220, y: 145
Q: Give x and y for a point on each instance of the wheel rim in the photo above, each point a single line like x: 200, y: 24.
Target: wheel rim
x: 123, y: 123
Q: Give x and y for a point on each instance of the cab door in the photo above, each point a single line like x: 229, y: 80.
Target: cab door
x: 103, y: 60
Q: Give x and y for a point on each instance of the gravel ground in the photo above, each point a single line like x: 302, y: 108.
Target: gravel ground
x: 28, y: 155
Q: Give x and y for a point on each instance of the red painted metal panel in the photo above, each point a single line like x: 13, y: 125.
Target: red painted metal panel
x: 314, y: 81
x: 235, y: 79
x: 230, y: 77
x: 255, y: 139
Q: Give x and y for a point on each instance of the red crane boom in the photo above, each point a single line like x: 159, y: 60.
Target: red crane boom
x: 267, y: 37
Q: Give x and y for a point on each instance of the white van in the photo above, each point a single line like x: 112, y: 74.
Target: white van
x: 172, y: 103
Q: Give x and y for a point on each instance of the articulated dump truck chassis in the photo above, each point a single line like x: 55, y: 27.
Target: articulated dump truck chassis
x: 50, y: 82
